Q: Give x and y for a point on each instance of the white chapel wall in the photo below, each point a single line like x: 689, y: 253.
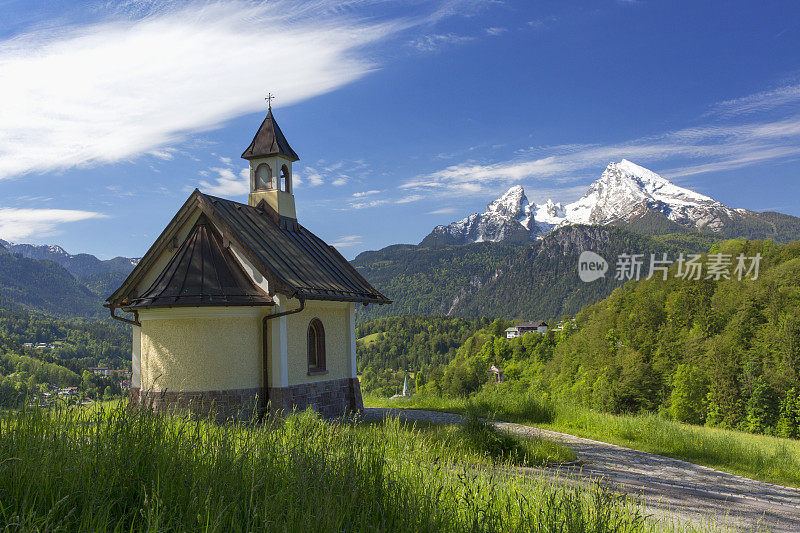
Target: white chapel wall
x: 335, y: 317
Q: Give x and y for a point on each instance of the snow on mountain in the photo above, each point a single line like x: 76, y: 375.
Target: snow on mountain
x: 549, y: 215
x: 624, y: 191
x: 508, y: 217
x: 79, y: 265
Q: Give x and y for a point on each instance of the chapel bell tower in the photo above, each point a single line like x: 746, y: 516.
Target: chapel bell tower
x: 271, y: 159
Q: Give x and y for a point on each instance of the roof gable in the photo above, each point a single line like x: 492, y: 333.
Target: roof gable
x: 202, y: 272
x: 536, y: 324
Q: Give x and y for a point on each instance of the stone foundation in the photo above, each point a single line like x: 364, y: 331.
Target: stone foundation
x: 134, y: 395
x: 238, y: 404
x: 330, y: 398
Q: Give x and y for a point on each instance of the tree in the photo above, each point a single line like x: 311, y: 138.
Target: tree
x: 788, y: 424
x: 762, y: 407
x: 498, y: 328
x: 689, y: 386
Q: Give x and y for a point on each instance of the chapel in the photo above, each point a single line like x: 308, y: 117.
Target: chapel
x: 238, y: 307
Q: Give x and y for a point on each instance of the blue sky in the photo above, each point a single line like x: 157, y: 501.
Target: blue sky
x: 405, y: 114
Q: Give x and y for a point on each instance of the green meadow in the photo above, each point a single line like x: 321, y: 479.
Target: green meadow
x: 762, y: 457
x: 119, y: 469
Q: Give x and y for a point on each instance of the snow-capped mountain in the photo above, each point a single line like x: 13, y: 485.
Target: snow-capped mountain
x: 623, y: 193
x: 78, y: 265
x: 626, y: 190
x: 48, y: 250
x: 510, y: 217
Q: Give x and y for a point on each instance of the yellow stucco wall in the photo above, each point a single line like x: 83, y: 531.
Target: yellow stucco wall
x: 200, y: 353
x: 199, y: 349
x: 334, y: 319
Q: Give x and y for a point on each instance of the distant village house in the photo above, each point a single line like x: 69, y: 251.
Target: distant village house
x: 526, y: 327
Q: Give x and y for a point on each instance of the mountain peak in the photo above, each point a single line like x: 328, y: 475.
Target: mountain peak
x: 511, y: 204
x: 639, y: 171
x: 624, y: 192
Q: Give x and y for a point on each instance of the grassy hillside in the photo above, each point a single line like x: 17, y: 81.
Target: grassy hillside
x: 130, y: 470
x: 720, y: 353
x: 725, y: 353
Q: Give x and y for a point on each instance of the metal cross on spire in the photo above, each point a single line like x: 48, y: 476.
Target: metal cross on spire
x: 269, y: 101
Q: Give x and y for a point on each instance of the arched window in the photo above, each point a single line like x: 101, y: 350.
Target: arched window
x: 263, y: 177
x: 316, y: 346
x: 286, y: 181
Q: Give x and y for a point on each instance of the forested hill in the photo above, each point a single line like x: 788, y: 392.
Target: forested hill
x: 536, y: 280
x: 44, y: 286
x: 723, y: 353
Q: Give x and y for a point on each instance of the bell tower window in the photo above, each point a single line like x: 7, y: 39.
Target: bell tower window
x: 286, y: 179
x: 263, y: 177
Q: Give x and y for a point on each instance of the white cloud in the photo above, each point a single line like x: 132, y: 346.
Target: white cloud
x: 312, y: 176
x: 332, y: 173
x: 17, y: 224
x: 347, y: 240
x: 364, y: 204
x: 435, y: 42
x: 759, y: 102
x: 365, y: 193
x: 112, y: 90
x: 495, y: 31
x: 410, y: 198
x: 703, y: 149
x: 443, y: 211
x: 164, y: 154
x: 227, y: 182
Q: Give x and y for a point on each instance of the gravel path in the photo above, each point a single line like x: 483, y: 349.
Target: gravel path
x: 667, y: 487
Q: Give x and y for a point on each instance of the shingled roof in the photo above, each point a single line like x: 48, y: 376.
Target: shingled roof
x: 294, y: 261
x: 269, y: 140
x: 300, y: 260
x: 202, y: 272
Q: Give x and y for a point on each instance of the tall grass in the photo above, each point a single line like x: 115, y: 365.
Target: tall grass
x: 771, y: 459
x: 74, y: 469
x: 481, y: 443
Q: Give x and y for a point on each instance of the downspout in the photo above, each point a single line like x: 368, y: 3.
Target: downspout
x: 134, y: 322
x: 266, y: 353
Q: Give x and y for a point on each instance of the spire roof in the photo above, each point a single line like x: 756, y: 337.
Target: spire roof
x: 269, y: 140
